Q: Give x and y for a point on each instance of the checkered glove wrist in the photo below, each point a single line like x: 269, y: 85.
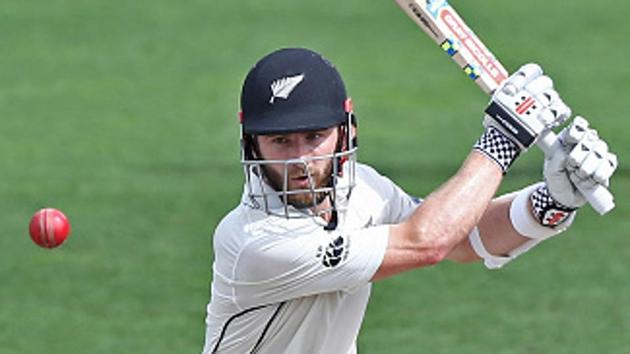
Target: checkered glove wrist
x: 547, y: 210
x: 498, y: 147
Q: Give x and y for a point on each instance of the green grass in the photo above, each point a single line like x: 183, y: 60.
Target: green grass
x: 122, y: 114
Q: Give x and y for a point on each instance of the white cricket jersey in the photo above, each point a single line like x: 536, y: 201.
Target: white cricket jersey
x: 289, y: 286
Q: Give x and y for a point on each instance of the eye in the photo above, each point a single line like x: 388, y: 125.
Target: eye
x: 314, y: 136
x: 281, y: 140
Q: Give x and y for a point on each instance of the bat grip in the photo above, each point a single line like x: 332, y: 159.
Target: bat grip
x: 598, y: 197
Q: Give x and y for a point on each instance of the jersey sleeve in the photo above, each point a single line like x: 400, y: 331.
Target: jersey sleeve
x: 273, y: 268
x: 397, y: 204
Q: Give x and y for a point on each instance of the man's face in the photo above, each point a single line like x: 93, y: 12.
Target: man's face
x: 303, y: 145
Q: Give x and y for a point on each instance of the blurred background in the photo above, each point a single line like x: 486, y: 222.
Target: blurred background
x: 123, y: 115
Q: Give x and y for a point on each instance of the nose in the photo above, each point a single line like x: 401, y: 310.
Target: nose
x: 301, y: 149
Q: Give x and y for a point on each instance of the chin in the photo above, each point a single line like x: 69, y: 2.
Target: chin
x: 305, y: 201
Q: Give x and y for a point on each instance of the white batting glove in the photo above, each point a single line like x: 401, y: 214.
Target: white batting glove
x: 522, y: 108
x: 582, y: 160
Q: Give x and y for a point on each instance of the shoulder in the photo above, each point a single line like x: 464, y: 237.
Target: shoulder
x: 380, y: 192
x: 247, y: 239
x: 277, y: 246
x: 241, y: 226
x: 371, y: 180
x: 371, y: 176
x: 367, y: 171
x: 227, y: 240
x: 232, y: 223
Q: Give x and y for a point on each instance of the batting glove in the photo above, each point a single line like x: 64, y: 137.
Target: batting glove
x: 582, y: 160
x: 524, y: 106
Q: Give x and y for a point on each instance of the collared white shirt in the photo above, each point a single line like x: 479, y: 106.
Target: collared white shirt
x: 289, y: 286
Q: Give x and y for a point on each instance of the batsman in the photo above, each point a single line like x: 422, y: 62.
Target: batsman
x: 295, y: 261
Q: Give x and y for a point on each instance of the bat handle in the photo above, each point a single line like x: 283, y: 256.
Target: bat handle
x: 598, y: 197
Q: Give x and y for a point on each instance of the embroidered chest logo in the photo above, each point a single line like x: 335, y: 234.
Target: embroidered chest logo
x: 335, y: 252
x: 282, y: 88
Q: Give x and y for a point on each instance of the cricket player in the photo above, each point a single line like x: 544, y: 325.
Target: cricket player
x: 294, y: 262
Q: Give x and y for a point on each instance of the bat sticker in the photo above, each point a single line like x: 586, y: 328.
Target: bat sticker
x: 472, y: 72
x: 434, y: 6
x: 450, y: 47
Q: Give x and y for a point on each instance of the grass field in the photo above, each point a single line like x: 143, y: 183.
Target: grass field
x: 122, y: 114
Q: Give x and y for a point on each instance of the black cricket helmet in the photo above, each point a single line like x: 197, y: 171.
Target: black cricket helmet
x: 295, y: 90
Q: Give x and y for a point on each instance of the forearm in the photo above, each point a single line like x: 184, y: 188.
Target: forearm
x: 447, y: 215
x: 497, y: 233
x: 444, y: 218
x: 508, y: 229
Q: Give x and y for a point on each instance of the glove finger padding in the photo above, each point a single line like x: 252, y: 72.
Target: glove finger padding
x: 539, y: 85
x: 583, y: 149
x: 547, y: 97
x: 581, y: 162
x: 593, y: 160
x: 572, y: 134
x: 555, y: 112
x: 557, y: 179
x: 596, y: 168
x: 605, y: 170
x: 548, y: 107
x: 521, y: 77
x: 560, y: 112
x: 525, y: 106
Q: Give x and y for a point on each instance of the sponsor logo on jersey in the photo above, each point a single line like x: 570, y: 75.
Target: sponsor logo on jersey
x: 335, y: 252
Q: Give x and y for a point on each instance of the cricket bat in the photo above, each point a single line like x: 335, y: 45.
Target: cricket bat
x: 441, y: 22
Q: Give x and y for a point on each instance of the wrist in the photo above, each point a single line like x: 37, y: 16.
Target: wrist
x: 522, y: 131
x: 548, y: 211
x: 498, y: 147
x: 524, y: 220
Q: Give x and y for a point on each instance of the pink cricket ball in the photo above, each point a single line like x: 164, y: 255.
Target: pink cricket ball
x: 49, y: 228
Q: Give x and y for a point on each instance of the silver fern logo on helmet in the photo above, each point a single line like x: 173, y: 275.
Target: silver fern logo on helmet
x: 282, y: 88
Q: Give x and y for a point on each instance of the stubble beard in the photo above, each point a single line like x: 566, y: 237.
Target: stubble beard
x: 306, y: 199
